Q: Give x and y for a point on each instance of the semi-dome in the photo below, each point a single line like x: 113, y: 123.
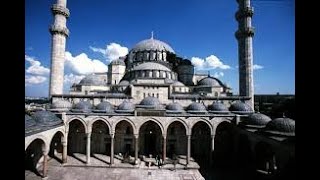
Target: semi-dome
x: 284, y: 126
x: 174, y: 107
x: 104, y: 107
x: 29, y: 121
x: 93, y: 80
x: 61, y: 105
x: 210, y: 81
x: 152, y: 44
x: 46, y: 118
x: 240, y: 108
x: 118, y: 62
x: 126, y: 107
x: 168, y: 81
x: 258, y: 120
x: 82, y: 106
x: 151, y: 66
x: 218, y: 107
x: 196, y: 108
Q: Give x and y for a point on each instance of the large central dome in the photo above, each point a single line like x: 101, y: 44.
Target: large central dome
x: 152, y: 44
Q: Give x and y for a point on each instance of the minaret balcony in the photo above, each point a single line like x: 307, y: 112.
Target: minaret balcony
x: 57, y: 9
x: 54, y: 29
x: 246, y: 32
x: 244, y: 12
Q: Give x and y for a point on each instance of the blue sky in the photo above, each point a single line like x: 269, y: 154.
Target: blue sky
x: 203, y: 31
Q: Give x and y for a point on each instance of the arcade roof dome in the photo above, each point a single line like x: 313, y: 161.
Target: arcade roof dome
x: 152, y: 44
x: 218, y: 107
x: 61, y: 104
x: 104, y: 106
x: 196, y: 108
x: 126, y: 106
x: 240, y: 107
x: 82, y: 106
x: 46, y: 118
x: 174, y: 107
x: 257, y: 119
x: 150, y: 101
x: 281, y: 126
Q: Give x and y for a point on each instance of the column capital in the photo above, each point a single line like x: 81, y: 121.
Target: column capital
x: 136, y: 136
x: 112, y: 135
x: 164, y: 136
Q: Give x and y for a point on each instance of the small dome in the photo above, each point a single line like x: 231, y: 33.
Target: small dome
x: 281, y: 126
x: 61, y: 105
x: 151, y: 66
x: 126, y: 106
x: 177, y: 83
x: 124, y: 83
x: 240, y: 108
x: 82, y: 106
x: 93, y: 80
x: 257, y: 120
x: 174, y: 107
x: 152, y: 44
x: 105, y: 107
x: 28, y: 121
x: 196, y: 108
x: 46, y: 118
x: 150, y: 101
x: 118, y: 62
x: 209, y: 81
x: 218, y: 107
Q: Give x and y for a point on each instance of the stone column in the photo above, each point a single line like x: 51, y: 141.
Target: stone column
x: 136, y: 149
x: 188, y: 149
x: 164, y: 151
x: 45, y: 163
x: 237, y: 119
x: 65, y: 150
x: 112, y: 150
x: 88, y: 147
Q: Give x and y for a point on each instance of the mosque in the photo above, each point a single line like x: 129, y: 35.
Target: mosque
x: 151, y: 103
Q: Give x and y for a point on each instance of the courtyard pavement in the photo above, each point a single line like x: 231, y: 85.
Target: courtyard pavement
x: 99, y: 169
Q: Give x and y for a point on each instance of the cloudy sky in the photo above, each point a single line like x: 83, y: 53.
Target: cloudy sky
x: 103, y: 30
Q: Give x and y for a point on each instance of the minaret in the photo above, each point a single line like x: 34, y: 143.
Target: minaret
x: 59, y: 32
x: 244, y: 35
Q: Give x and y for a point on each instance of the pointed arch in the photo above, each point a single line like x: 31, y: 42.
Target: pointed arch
x: 79, y: 119
x: 91, y: 122
x: 182, y: 122
x: 133, y: 125
x: 202, y: 120
x: 155, y: 121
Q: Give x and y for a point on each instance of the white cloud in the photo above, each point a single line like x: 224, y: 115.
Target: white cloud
x: 71, y: 78
x: 82, y: 64
x: 210, y: 62
x: 197, y: 62
x: 214, y: 62
x: 256, y: 67
x: 113, y: 51
x: 36, y: 67
x: 30, y: 79
x: 218, y: 74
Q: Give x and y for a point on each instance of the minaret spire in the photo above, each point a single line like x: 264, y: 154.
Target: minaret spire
x: 244, y: 35
x: 59, y: 32
x: 151, y: 34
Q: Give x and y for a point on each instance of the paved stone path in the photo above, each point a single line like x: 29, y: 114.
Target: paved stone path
x: 77, y: 170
